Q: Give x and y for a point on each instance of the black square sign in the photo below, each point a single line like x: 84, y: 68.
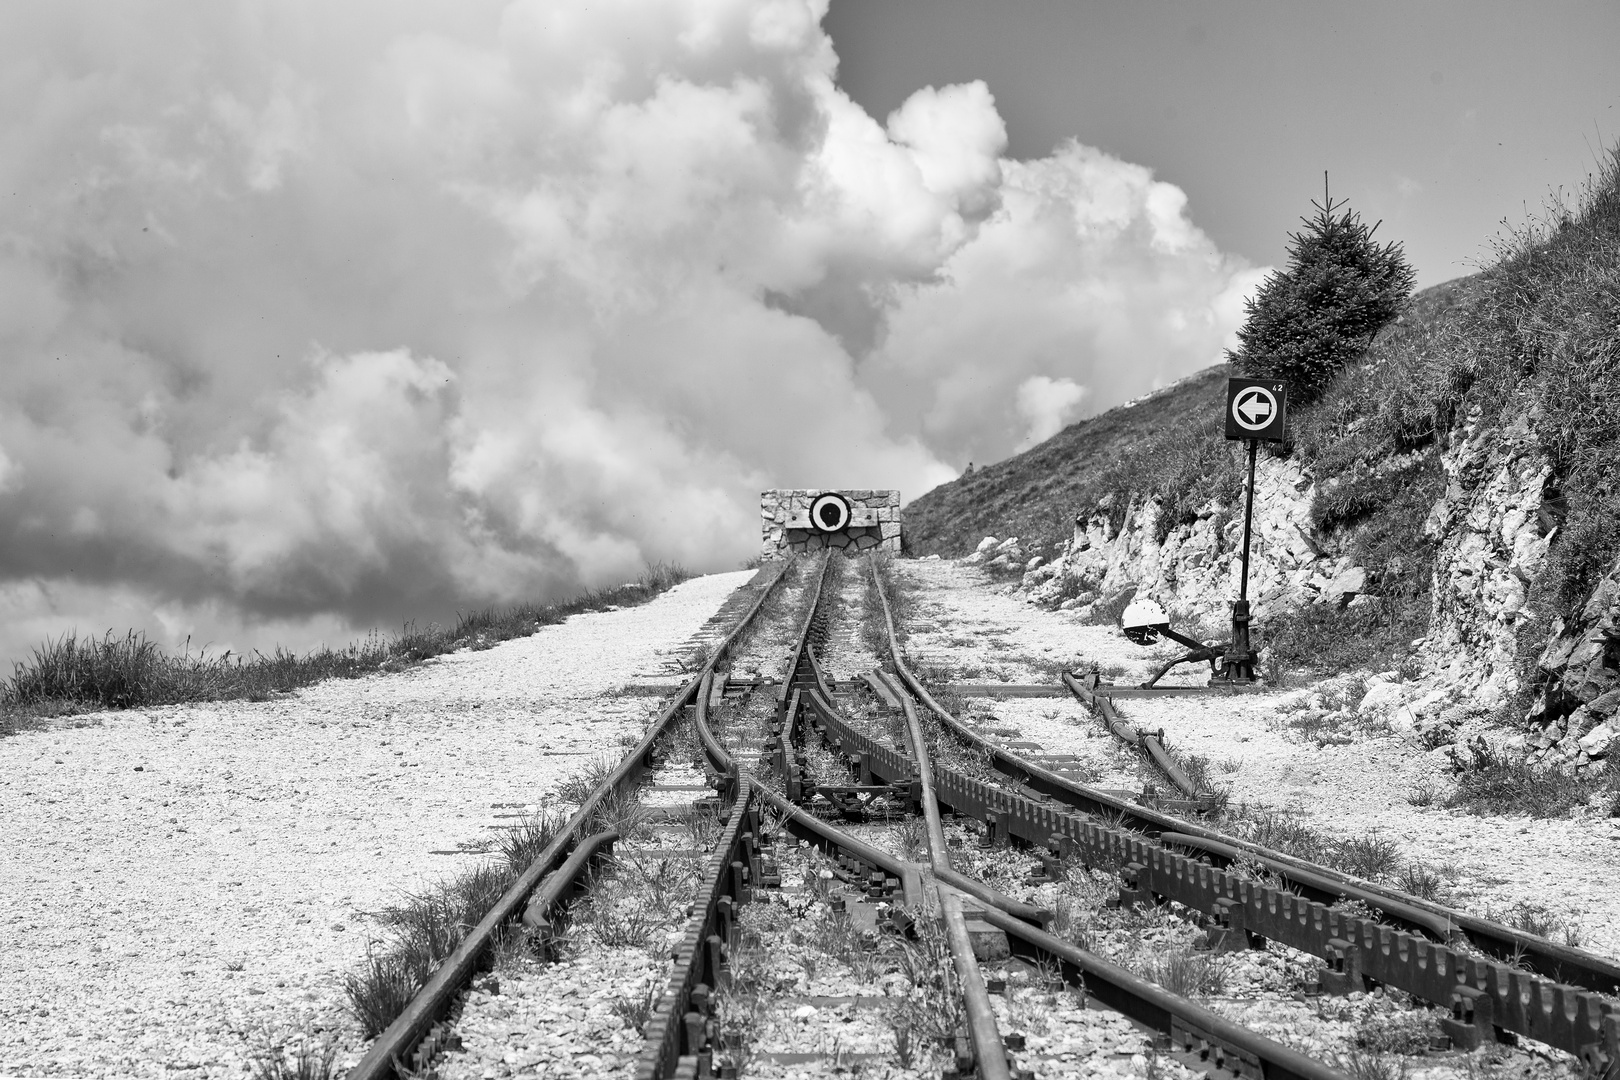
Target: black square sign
x: 1256, y: 409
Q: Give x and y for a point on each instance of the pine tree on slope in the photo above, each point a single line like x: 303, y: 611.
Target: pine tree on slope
x: 1306, y: 323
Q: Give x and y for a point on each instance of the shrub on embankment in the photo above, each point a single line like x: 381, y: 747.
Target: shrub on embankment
x: 74, y: 674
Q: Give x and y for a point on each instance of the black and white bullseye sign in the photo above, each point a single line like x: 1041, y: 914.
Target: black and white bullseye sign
x: 1256, y: 409
x: 829, y: 512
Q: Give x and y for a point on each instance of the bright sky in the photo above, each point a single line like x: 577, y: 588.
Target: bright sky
x: 1442, y: 118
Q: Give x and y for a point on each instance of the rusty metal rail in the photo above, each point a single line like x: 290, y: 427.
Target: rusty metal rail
x: 679, y: 1034
x: 1149, y: 743
x: 394, y: 1049
x: 1486, y: 997
x: 1444, y: 923
x: 1198, y: 1036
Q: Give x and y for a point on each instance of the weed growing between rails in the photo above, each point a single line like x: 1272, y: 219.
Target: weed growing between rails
x: 903, y: 603
x: 767, y: 636
x: 577, y: 1000
x: 900, y: 1004
x: 73, y: 674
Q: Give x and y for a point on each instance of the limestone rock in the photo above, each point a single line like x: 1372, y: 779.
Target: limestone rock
x: 1346, y: 583
x: 1380, y: 699
x: 1596, y: 743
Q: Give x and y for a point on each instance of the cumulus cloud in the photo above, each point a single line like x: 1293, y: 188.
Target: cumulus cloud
x: 1090, y: 275
x: 1047, y: 406
x: 322, y: 316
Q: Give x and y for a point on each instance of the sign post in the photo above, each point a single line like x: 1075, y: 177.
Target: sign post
x: 1256, y: 411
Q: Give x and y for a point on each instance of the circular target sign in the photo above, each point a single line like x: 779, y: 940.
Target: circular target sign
x: 830, y: 512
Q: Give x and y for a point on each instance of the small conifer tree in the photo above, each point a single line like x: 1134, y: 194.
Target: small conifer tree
x: 1308, y: 322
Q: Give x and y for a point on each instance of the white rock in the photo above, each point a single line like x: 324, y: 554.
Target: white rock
x: 1034, y: 562
x: 1597, y: 741
x: 988, y: 544
x: 1404, y: 724
x: 1346, y: 583
x: 1006, y: 545
x: 1381, y: 698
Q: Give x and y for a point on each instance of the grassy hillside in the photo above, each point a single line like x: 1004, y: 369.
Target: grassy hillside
x: 1035, y: 495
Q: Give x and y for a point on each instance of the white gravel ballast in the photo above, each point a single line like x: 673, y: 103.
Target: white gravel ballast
x: 183, y: 887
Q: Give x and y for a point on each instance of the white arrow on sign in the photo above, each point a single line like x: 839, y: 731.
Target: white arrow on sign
x: 1253, y: 408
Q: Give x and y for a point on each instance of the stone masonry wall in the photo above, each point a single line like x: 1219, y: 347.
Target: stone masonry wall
x: 785, y: 526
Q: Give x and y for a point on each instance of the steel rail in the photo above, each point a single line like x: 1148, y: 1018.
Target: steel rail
x: 1152, y: 745
x: 1186, y: 1022
x: 1440, y: 921
x: 897, y: 768
x: 989, y: 1055
x: 389, y: 1052
x: 1486, y: 997
x: 988, y: 1052
x: 560, y: 882
x: 802, y: 642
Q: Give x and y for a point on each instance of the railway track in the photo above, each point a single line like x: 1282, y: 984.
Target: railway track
x: 425, y: 1026
x: 886, y: 770
x: 1497, y: 982
x: 851, y: 898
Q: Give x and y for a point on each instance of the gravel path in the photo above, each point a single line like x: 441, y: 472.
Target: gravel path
x: 962, y: 622
x: 184, y: 886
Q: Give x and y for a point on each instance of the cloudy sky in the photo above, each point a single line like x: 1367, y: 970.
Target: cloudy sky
x: 317, y: 317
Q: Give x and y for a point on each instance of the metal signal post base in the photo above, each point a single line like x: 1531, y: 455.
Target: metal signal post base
x: 1239, y: 659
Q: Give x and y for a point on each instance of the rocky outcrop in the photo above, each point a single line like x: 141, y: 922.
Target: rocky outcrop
x: 1492, y: 534
x: 1194, y: 572
x: 1576, y: 720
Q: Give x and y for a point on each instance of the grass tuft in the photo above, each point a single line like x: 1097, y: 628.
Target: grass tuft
x: 72, y: 674
x: 308, y: 1060
x: 1185, y: 972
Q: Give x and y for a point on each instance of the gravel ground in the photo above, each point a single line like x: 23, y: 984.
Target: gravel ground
x: 761, y: 651
x: 846, y: 654
x: 577, y: 1018
x: 964, y: 623
x: 184, y: 886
